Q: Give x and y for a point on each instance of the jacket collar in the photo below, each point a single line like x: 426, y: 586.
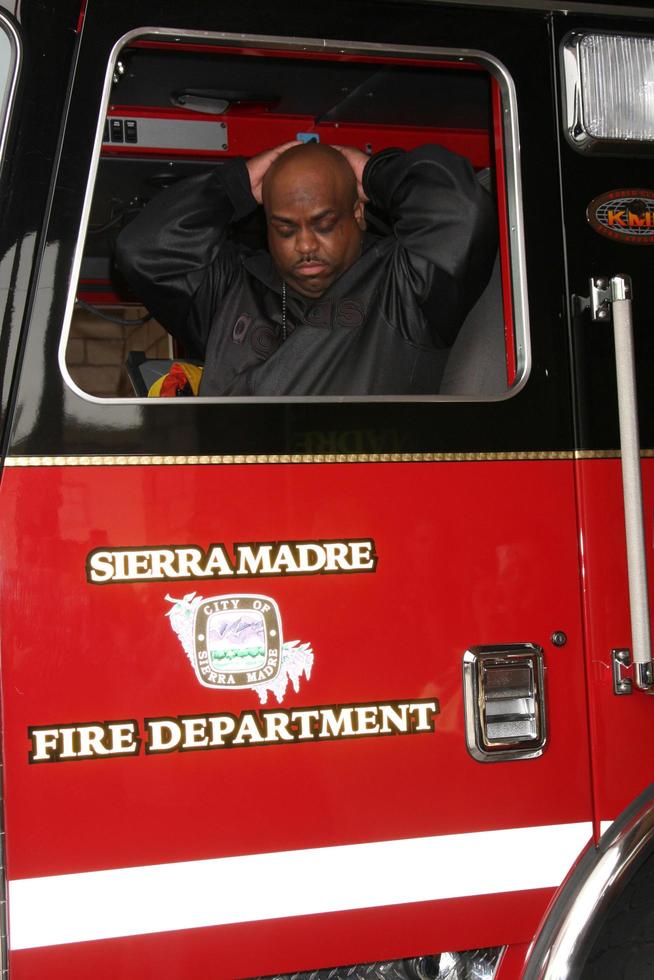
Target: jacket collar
x: 260, y: 265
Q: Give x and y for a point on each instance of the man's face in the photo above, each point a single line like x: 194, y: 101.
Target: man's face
x: 315, y: 226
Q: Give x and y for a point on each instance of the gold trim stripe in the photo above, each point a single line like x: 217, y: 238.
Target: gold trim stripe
x: 599, y: 454
x: 201, y: 460
x: 239, y: 460
x: 609, y: 454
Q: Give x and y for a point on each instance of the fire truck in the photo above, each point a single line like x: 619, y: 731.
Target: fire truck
x: 328, y: 686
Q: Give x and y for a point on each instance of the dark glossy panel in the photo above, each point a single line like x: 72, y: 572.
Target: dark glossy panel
x: 53, y: 419
x: 48, y: 41
x: 590, y: 254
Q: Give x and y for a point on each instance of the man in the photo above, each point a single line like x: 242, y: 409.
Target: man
x: 329, y: 309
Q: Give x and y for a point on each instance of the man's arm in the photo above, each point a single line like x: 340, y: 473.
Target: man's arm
x: 175, y: 254
x: 445, y: 228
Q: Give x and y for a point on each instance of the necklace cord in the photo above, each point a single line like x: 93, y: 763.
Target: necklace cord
x: 283, y: 311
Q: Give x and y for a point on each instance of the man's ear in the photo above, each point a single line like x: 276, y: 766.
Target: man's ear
x: 359, y: 214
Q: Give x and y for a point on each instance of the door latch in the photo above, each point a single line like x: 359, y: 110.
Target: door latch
x: 621, y: 660
x: 604, y: 292
x: 504, y: 702
x: 601, y: 296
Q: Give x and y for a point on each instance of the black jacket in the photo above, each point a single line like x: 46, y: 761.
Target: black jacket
x: 384, y: 327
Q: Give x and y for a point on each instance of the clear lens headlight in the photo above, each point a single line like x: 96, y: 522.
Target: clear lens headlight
x: 609, y: 90
x: 472, y: 964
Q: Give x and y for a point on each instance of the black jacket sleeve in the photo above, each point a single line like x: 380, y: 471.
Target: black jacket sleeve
x: 176, y: 256
x: 445, y: 237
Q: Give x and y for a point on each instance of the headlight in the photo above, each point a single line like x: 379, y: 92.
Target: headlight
x: 609, y: 92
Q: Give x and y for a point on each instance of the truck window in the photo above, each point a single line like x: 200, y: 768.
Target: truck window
x: 177, y: 108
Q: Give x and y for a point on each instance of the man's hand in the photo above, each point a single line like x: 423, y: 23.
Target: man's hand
x: 258, y: 167
x: 357, y: 160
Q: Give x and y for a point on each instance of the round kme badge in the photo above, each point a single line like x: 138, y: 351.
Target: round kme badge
x: 625, y: 215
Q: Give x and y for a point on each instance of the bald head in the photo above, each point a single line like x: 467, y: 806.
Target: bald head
x: 302, y: 167
x: 315, y: 220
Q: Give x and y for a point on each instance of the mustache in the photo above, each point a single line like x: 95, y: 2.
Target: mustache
x: 309, y: 261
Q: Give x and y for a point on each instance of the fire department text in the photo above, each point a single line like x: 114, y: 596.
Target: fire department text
x: 63, y: 743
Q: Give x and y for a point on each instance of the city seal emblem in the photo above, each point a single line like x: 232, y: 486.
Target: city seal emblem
x: 235, y: 642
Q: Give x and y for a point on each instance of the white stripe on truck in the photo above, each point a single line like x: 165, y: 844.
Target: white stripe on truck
x: 75, y: 908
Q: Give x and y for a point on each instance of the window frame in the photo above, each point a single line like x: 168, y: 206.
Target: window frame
x: 355, y: 50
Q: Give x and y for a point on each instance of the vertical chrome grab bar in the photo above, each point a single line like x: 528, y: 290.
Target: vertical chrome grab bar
x: 631, y: 480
